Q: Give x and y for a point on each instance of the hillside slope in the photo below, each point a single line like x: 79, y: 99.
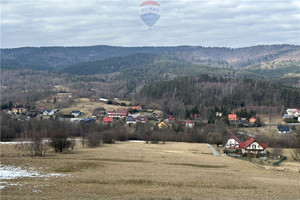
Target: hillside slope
x: 52, y: 58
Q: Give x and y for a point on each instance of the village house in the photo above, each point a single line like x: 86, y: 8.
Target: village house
x: 252, y: 147
x: 98, y: 113
x: 88, y: 121
x: 138, y: 107
x: 103, y: 99
x: 47, y: 112
x: 233, y: 143
x: 76, y: 113
x: 232, y: 117
x: 190, y: 124
x: 9, y: 112
x: 283, y: 129
x: 123, y: 109
x: 252, y: 120
x: 135, y: 119
x: 107, y: 120
x: 219, y: 114
x: 164, y: 124
x: 18, y: 110
x: 117, y: 114
x: 292, y: 112
x: 170, y: 118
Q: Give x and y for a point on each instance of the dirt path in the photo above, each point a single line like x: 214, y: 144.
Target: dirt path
x: 214, y: 151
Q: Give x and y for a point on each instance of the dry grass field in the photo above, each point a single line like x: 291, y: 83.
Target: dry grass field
x: 87, y: 107
x: 131, y: 170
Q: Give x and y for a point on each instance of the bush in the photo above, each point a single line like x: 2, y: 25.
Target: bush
x: 60, y: 142
x: 94, y: 139
x: 108, y: 137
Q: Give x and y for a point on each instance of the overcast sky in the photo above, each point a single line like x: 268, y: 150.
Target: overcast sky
x: 226, y: 23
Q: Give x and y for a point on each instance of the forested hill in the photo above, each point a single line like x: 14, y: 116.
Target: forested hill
x: 53, y: 58
x: 207, y: 92
x: 110, y: 65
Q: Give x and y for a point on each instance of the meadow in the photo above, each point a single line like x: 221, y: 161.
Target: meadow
x: 136, y: 170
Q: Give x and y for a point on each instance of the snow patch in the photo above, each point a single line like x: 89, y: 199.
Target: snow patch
x: 8, y: 172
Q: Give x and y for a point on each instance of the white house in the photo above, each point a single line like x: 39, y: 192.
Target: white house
x: 76, y: 113
x: 48, y: 112
x: 104, y: 100
x: 233, y: 143
x: 291, y: 111
x: 251, y: 146
x: 190, y: 124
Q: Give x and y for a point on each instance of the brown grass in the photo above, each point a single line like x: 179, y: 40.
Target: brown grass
x: 148, y: 171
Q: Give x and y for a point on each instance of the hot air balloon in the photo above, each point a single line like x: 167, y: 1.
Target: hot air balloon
x: 150, y: 12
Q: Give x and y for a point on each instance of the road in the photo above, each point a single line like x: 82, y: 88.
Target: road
x: 214, y: 151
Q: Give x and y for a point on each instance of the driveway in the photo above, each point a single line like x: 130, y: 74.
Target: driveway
x: 214, y: 151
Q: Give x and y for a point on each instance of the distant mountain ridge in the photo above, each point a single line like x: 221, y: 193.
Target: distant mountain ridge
x: 269, y: 61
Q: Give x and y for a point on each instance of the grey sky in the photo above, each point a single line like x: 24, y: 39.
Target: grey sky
x: 230, y: 23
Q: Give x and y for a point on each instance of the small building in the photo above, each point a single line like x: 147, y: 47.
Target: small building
x: 107, y: 120
x: 47, y: 112
x: 103, y: 99
x: 18, y: 110
x: 76, y: 113
x: 164, y: 124
x: 291, y: 111
x: 123, y: 109
x: 252, y: 147
x: 219, y: 114
x: 138, y: 107
x: 131, y: 120
x: 252, y: 120
x: 190, y: 124
x: 286, y: 116
x: 88, y: 121
x: 232, y: 117
x: 170, y: 117
x: 117, y: 114
x: 142, y: 119
x: 283, y: 129
x: 233, y: 143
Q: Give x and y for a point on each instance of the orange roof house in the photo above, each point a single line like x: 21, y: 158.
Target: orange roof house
x: 232, y: 117
x: 252, y: 120
x: 138, y: 107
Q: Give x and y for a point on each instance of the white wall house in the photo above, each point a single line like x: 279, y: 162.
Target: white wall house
x: 48, y: 112
x: 233, y: 143
x: 251, y: 146
x: 254, y: 147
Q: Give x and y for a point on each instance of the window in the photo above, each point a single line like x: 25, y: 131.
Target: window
x: 253, y: 146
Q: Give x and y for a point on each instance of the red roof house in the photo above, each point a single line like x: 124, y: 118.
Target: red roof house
x: 190, y: 123
x: 107, y: 120
x: 251, y: 146
x: 232, y: 117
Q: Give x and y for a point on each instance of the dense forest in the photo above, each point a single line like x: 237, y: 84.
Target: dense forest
x: 207, y: 91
